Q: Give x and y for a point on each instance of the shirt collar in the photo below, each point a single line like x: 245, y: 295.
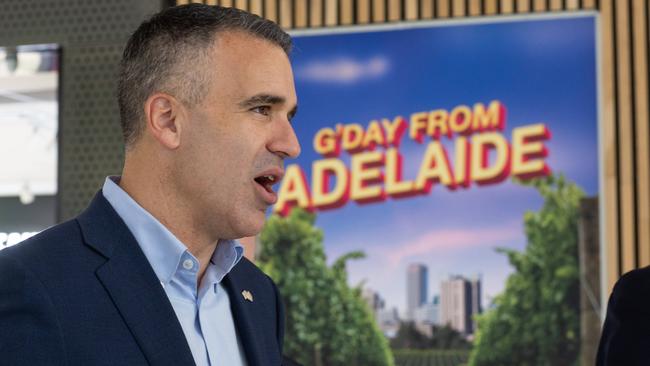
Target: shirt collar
x: 162, y: 249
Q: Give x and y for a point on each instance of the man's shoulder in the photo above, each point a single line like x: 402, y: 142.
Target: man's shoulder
x: 55, y: 252
x: 46, y: 241
x: 635, y: 280
x: 632, y: 291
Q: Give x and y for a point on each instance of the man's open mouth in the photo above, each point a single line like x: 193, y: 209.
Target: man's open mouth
x: 267, y: 181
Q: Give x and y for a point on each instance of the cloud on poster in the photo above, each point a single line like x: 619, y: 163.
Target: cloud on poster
x: 344, y: 70
x: 446, y: 241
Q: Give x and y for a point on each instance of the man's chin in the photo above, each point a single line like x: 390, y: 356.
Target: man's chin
x: 251, y: 226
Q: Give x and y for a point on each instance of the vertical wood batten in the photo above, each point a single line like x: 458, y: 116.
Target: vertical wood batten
x: 241, y: 4
x: 394, y: 10
x: 411, y: 10
x: 507, y: 6
x: 286, y: 14
x: 256, y: 7
x: 331, y: 13
x: 426, y: 9
x: 610, y: 163
x: 226, y: 3
x: 270, y: 10
x: 642, y: 153
x: 442, y: 9
x: 347, y: 11
x: 491, y: 7
x: 556, y: 5
x: 459, y: 9
x: 539, y: 5
x: 378, y: 11
x: 591, y: 4
x: 625, y: 143
x: 572, y: 4
x: 363, y: 11
x: 300, y: 15
x: 523, y: 6
x: 315, y: 14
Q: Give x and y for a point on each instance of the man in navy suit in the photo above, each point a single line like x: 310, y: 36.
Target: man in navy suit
x: 151, y: 272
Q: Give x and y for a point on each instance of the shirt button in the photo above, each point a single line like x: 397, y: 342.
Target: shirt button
x: 188, y: 264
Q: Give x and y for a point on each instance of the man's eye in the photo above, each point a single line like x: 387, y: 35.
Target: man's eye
x: 264, y: 110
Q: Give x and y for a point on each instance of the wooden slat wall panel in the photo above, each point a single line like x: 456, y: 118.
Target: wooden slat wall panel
x: 625, y: 109
x: 642, y: 133
x: 625, y: 143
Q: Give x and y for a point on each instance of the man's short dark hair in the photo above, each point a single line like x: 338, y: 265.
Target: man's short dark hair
x: 169, y: 53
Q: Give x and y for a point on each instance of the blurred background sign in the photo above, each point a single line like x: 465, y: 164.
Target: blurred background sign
x: 29, y: 82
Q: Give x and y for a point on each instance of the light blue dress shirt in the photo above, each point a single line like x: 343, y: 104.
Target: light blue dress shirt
x: 203, y: 310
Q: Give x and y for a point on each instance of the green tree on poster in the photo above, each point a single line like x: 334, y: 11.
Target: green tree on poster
x: 327, y: 322
x: 536, y: 318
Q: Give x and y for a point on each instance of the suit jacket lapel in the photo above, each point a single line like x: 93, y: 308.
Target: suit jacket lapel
x: 134, y: 287
x: 243, y: 316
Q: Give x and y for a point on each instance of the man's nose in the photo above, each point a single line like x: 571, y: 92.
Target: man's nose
x: 285, y: 142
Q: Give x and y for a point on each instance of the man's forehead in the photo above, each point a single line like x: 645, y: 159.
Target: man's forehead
x: 249, y: 68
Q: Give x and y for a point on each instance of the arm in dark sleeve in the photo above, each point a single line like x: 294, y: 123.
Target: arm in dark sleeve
x: 280, y: 315
x: 625, y: 339
x: 30, y: 334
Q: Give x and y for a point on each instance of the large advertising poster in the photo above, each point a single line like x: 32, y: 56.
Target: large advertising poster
x: 443, y: 165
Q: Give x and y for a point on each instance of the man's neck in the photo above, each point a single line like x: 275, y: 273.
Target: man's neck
x: 175, y: 216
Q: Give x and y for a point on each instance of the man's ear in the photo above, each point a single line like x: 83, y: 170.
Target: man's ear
x: 164, y: 118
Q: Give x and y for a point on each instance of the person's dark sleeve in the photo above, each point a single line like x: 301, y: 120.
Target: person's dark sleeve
x: 279, y: 305
x: 29, y: 331
x: 625, y: 339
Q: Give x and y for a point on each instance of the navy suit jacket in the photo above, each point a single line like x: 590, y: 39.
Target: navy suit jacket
x: 625, y: 339
x: 83, y: 293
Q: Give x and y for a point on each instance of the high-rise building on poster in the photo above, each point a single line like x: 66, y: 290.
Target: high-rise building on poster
x: 416, y: 287
x: 460, y: 301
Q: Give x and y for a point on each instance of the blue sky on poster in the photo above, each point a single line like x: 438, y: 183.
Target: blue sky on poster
x: 541, y: 70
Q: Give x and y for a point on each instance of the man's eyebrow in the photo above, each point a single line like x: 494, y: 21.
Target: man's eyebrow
x: 261, y: 99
